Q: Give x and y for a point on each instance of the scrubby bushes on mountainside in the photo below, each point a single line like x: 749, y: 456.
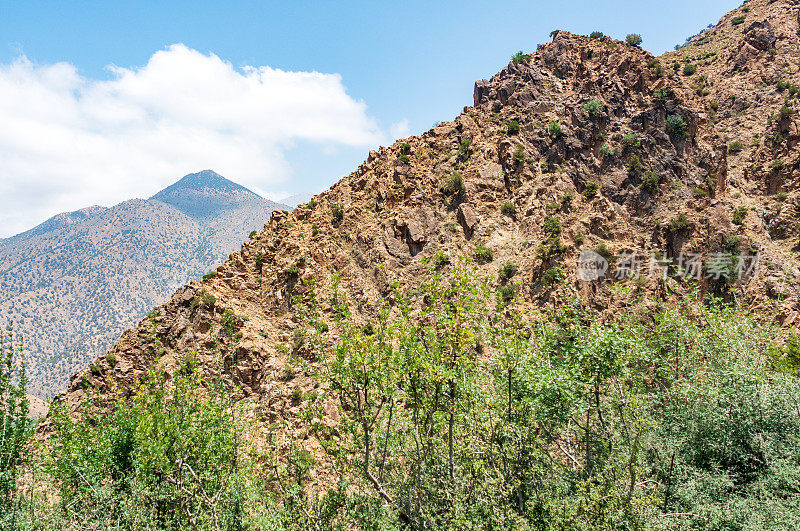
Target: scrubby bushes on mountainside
x: 458, y: 414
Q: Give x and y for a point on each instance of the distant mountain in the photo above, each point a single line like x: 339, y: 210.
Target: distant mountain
x: 73, y: 283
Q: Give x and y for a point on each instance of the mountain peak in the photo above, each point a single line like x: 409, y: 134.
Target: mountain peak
x: 203, y: 180
x: 204, y: 194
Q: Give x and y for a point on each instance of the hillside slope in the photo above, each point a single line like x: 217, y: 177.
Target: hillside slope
x: 587, y: 144
x: 73, y: 283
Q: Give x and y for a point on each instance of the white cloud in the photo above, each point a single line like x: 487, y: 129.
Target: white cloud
x: 400, y: 130
x: 67, y: 141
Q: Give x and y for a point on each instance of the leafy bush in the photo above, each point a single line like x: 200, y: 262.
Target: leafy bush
x: 552, y: 226
x: 454, y: 185
x: 508, y: 208
x: 209, y: 275
x: 596, y: 35
x: 739, y: 215
x: 507, y: 271
x: 689, y: 69
x: 679, y: 223
x: 405, y: 159
x: 520, y: 58
x: 735, y: 147
x: 16, y: 425
x: 552, y: 276
x: 292, y: 271
x: 590, y: 190
x: 440, y: 260
x: 593, y: 107
x: 738, y: 20
x: 483, y: 255
x: 554, y: 129
x: 519, y: 154
x: 606, y: 150
x: 650, y: 181
x: 507, y: 292
x: 634, y: 166
x: 603, y: 250
x: 252, y: 233
x: 634, y: 39
x: 512, y: 127
x: 676, y: 125
x: 699, y: 192
x: 338, y: 212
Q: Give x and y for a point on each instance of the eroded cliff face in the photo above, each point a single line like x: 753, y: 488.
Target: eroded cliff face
x: 614, y: 153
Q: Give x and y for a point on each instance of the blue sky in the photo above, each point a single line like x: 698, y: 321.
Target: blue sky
x: 407, y: 61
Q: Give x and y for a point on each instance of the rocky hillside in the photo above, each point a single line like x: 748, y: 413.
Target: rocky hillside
x: 586, y: 146
x: 73, y: 283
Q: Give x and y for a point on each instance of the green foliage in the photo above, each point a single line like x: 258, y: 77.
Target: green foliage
x: 634, y: 39
x: 699, y: 192
x: 15, y: 423
x: 520, y: 58
x: 208, y: 276
x: 507, y: 271
x: 689, y: 69
x: 552, y: 226
x: 552, y: 276
x: 440, y: 260
x: 739, y: 215
x: 596, y: 35
x: 454, y: 185
x: 738, y: 20
x: 405, y: 159
x: 593, y: 107
x: 252, y: 233
x: 606, y: 150
x: 292, y: 271
x: 676, y: 125
x: 483, y: 255
x: 603, y: 250
x: 735, y: 147
x: 508, y: 208
x: 507, y: 292
x: 168, y: 458
x: 512, y: 127
x: 590, y: 190
x: 631, y: 139
x: 554, y: 129
x: 679, y: 223
x: 650, y: 181
x: 634, y: 166
x: 337, y: 210
x: 203, y: 299
x: 463, y: 148
x: 519, y: 154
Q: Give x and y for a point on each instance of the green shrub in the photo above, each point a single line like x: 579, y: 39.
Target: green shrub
x: 507, y: 208
x: 252, y: 233
x: 519, y: 154
x: 650, y: 181
x: 634, y: 39
x: 736, y: 21
x: 208, y: 276
x: 520, y: 58
x: 689, y: 69
x: 735, y: 147
x: 590, y: 190
x: 552, y: 276
x: 579, y: 237
x: 631, y: 139
x: 783, y: 85
x: 512, y: 127
x: 292, y: 271
x: 338, y: 212
x: 777, y: 166
x: 679, y: 223
x: 454, y: 185
x: 483, y: 255
x: 596, y: 35
x: 603, y: 250
x: 634, y: 166
x: 676, y: 125
x: 507, y: 271
x: 699, y: 192
x: 606, y: 150
x: 405, y: 159
x: 552, y: 226
x: 554, y: 129
x: 739, y: 215
x: 507, y: 292
x: 593, y: 107
x: 440, y: 260
x: 16, y: 424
